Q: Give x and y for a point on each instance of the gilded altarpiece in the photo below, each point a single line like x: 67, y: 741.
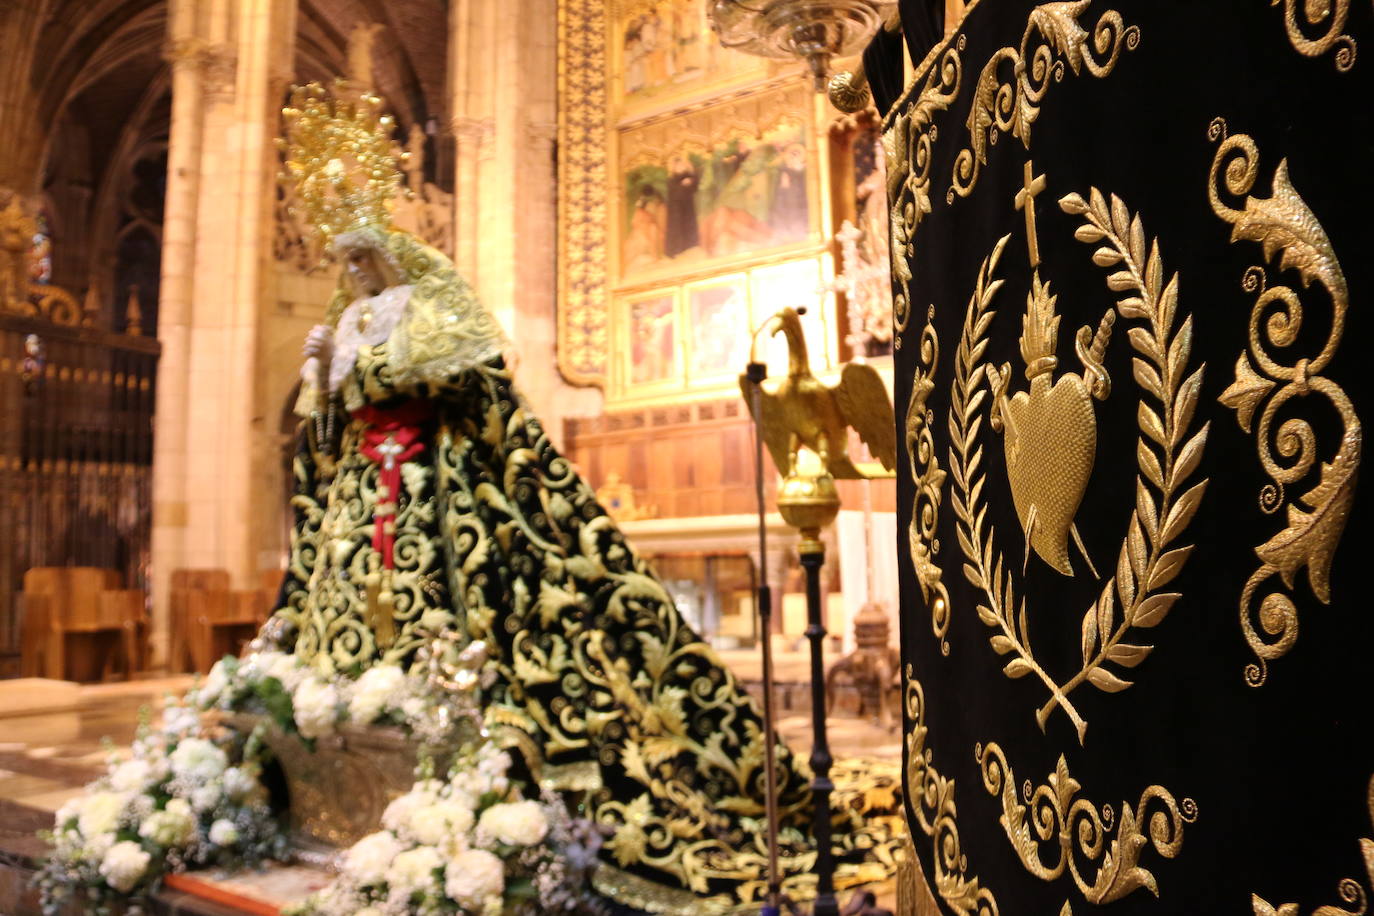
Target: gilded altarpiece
x: 692, y: 205
x: 1130, y: 242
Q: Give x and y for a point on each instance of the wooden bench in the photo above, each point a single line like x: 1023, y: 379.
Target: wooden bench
x: 71, y: 605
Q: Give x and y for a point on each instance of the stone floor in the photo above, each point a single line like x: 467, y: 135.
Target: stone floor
x: 45, y: 758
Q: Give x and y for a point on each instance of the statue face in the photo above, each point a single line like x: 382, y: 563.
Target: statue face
x: 364, y: 271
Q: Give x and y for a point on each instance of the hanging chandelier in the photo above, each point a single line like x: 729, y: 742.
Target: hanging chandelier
x: 814, y: 30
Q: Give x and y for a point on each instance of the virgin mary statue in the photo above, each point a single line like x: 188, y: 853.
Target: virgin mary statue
x: 429, y: 499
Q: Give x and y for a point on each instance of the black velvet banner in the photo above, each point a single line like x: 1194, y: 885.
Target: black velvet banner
x: 1131, y: 243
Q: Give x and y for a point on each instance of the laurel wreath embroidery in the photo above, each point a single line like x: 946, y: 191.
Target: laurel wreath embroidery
x: 1166, y: 454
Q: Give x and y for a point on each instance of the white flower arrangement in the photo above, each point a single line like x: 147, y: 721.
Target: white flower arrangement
x: 469, y: 844
x: 191, y: 795
x: 163, y: 809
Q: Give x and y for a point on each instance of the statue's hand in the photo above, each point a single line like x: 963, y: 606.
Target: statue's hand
x: 318, y: 351
x: 319, y: 343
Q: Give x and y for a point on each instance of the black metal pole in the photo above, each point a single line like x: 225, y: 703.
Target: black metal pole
x: 812, y: 558
x: 755, y: 373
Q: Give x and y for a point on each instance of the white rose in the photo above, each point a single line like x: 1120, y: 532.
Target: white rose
x: 180, y: 807
x: 474, y: 877
x: 413, y: 707
x: 224, y: 833
x: 439, y: 824
x: 316, y: 707
x: 413, y: 871
x: 368, y: 859
x: 378, y: 688
x: 124, y: 865
x: 130, y: 776
x: 100, y: 812
x: 259, y: 664
x: 514, y: 823
x: 206, y: 797
x: 198, y: 761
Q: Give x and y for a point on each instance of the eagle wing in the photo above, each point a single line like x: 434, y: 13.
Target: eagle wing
x: 775, y: 437
x: 864, y: 404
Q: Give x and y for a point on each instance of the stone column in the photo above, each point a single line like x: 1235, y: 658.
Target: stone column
x: 226, y: 60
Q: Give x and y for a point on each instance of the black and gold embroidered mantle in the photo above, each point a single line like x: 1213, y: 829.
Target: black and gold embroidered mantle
x: 1129, y: 248
x: 602, y: 689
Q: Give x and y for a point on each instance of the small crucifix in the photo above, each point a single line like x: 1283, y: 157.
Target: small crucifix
x: 1025, y: 200
x: 390, y: 449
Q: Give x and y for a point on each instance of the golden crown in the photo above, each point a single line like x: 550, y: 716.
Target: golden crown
x: 341, y: 157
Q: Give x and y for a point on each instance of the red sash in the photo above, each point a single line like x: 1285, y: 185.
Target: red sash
x: 392, y: 437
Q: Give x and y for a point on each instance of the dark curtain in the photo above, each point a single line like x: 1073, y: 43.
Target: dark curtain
x: 1130, y: 247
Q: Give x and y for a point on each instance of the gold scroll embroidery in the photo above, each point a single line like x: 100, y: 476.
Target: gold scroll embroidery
x: 932, y: 801
x: 929, y: 478
x: 1350, y: 890
x: 1064, y: 828
x: 1015, y: 80
x: 1167, y: 455
x: 908, y: 144
x: 1335, y: 13
x: 1283, y: 224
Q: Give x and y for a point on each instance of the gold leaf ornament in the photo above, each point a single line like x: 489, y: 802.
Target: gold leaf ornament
x: 1288, y: 231
x: 1015, y: 80
x: 1055, y: 831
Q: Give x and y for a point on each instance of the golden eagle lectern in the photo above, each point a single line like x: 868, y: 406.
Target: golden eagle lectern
x: 802, y: 410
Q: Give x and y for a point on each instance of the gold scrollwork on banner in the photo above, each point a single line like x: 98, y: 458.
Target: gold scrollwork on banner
x: 1052, y: 819
x: 1352, y: 892
x: 1335, y: 13
x: 1009, y: 102
x: 908, y: 146
x: 932, y: 801
x: 929, y: 478
x: 1284, y: 225
x: 1168, y: 453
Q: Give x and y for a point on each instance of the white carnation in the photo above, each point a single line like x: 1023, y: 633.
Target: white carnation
x: 288, y: 670
x: 173, y: 826
x: 474, y: 877
x: 238, y: 784
x: 379, y: 687
x: 413, y: 871
x: 212, y: 688
x: 124, y: 865
x: 179, y: 720
x: 224, y: 833
x: 97, y: 846
x: 398, y: 814
x: 100, y: 812
x: 316, y: 707
x: 440, y: 824
x: 131, y: 776
x: 198, y: 761
x: 367, y: 861
x: 514, y: 823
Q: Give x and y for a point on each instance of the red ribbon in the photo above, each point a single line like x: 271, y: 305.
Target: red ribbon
x: 391, y: 438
